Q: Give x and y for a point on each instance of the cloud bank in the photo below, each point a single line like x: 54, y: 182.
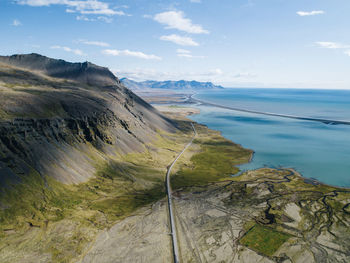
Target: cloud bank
x: 128, y: 53
x: 177, y: 20
x: 180, y: 40
x: 310, y: 13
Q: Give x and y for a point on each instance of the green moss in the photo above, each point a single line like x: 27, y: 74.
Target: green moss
x: 215, y: 162
x: 248, y: 225
x: 34, y: 200
x: 4, y: 115
x: 264, y: 239
x: 120, y: 206
x: 117, y: 190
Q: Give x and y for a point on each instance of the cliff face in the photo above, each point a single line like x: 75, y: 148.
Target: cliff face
x: 57, y: 118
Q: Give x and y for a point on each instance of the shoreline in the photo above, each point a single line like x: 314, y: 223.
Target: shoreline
x: 188, y: 111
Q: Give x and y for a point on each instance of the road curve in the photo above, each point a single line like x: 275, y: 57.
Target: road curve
x: 325, y: 121
x: 170, y: 205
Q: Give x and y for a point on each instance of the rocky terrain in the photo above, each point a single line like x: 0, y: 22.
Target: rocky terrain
x: 181, y: 85
x: 264, y: 216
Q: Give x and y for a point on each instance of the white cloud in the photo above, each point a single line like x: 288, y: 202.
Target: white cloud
x: 105, y: 19
x: 332, y: 45
x: 84, y: 18
x: 180, y: 40
x: 195, y: 1
x: 94, y: 7
x: 123, y: 6
x: 310, y: 13
x: 68, y: 49
x: 16, y: 22
x: 184, y: 53
x: 128, y: 53
x: 99, y: 18
x: 177, y: 20
x: 93, y: 43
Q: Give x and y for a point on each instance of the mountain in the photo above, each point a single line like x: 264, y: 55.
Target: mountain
x: 169, y: 84
x: 78, y: 151
x: 84, y: 73
x: 53, y: 111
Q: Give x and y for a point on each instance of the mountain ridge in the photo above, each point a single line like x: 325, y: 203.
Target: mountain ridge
x: 83, y: 72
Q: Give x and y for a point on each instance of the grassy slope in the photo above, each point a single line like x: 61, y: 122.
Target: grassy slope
x: 42, y: 219
x: 47, y: 217
x: 214, y: 161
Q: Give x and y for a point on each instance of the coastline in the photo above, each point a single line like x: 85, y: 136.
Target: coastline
x: 185, y: 109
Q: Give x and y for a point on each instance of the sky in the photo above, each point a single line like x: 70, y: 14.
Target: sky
x: 234, y: 43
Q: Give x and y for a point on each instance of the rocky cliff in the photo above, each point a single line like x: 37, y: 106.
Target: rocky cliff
x: 56, y: 117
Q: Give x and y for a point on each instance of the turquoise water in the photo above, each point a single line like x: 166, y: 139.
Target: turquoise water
x: 314, y: 149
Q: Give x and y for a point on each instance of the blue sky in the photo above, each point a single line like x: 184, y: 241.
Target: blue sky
x: 236, y: 43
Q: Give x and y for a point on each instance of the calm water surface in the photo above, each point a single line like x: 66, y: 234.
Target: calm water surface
x: 314, y: 149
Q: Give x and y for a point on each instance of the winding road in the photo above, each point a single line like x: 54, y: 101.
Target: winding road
x: 170, y: 205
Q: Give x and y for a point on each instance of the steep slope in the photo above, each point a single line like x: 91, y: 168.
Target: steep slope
x: 181, y: 85
x: 86, y: 73
x: 78, y: 151
x: 52, y: 111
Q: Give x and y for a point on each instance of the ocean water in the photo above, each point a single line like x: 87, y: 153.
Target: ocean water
x: 316, y: 150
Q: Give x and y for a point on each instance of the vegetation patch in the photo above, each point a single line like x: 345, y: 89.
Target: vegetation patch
x: 264, y: 239
x: 45, y: 205
x: 216, y: 161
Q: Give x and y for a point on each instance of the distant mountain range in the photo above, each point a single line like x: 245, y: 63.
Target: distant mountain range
x: 169, y: 85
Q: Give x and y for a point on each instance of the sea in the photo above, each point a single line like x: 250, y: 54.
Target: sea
x: 315, y: 149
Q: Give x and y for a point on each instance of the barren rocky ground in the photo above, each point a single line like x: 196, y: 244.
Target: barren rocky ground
x: 258, y: 217
x: 266, y: 215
